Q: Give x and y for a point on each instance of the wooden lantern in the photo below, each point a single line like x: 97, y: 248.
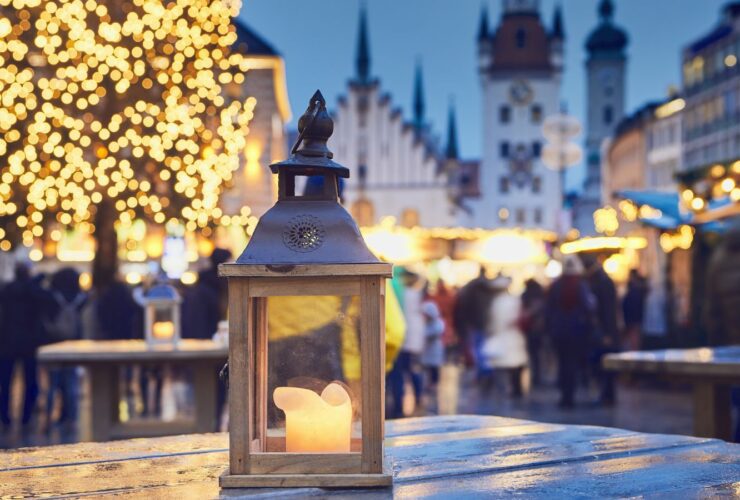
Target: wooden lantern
x: 162, y: 315
x: 308, y: 250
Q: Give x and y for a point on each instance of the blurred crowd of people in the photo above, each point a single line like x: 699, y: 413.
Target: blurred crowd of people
x: 554, y: 334
x: 39, y: 309
x: 507, y: 340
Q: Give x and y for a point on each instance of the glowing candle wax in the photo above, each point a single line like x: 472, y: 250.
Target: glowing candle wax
x: 316, y: 423
x: 163, y: 330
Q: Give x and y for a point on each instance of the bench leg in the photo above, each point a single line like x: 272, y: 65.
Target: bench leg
x: 712, y: 413
x: 104, y: 398
x: 205, y: 387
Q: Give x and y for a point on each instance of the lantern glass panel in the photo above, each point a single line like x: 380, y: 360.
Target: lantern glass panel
x: 163, y: 324
x: 312, y: 365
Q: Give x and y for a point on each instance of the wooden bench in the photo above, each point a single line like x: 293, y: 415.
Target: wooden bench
x: 711, y: 371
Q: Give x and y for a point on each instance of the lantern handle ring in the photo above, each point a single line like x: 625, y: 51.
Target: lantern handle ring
x: 317, y: 101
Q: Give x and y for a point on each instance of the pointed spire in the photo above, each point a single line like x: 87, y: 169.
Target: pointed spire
x: 451, y: 152
x: 418, y: 98
x: 557, y: 23
x: 606, y: 10
x: 363, y: 49
x: 483, y: 25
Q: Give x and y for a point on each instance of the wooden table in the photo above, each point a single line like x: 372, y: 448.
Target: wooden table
x: 468, y: 456
x: 712, y: 371
x: 104, y: 359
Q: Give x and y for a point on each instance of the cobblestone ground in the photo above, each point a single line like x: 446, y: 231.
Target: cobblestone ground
x: 646, y: 406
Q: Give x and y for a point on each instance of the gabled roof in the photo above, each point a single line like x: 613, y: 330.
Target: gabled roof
x: 249, y: 42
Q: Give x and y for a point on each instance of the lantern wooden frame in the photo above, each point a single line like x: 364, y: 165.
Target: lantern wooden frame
x: 249, y: 287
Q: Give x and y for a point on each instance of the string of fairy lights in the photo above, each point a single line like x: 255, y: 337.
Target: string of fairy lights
x: 120, y: 103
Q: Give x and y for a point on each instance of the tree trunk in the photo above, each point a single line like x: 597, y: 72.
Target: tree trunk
x: 105, y: 265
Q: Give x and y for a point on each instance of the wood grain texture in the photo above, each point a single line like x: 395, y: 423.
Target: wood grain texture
x: 372, y: 348
x: 307, y: 481
x: 240, y: 374
x: 305, y: 463
x: 261, y: 371
x: 263, y: 271
x: 266, y: 287
x: 442, y: 457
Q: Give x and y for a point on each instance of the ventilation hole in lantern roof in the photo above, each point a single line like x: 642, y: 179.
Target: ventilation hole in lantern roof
x: 304, y: 233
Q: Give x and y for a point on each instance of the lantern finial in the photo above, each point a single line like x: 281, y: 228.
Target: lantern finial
x: 310, y: 154
x: 314, y: 128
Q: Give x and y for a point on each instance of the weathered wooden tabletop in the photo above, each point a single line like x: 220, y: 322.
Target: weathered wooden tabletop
x: 467, y: 456
x: 129, y: 351
x: 702, y: 361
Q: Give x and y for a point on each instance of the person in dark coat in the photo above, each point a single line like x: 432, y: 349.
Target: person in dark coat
x: 471, y: 316
x: 605, y: 338
x: 722, y: 299
x: 633, y: 310
x: 117, y: 314
x: 568, y: 311
x: 533, y: 325
x: 25, y: 305
x: 206, y: 302
x: 65, y: 324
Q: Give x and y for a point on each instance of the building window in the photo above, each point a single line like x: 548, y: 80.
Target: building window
x: 521, y: 38
x: 362, y: 172
x: 503, y: 214
x: 504, y: 114
x: 503, y: 185
x: 504, y: 147
x: 536, y: 149
x: 536, y: 185
x: 536, y: 113
x: 538, y: 215
x: 521, y: 216
x: 409, y: 217
x: 608, y: 115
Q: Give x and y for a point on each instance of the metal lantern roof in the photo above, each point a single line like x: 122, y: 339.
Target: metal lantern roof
x: 161, y: 293
x: 315, y: 228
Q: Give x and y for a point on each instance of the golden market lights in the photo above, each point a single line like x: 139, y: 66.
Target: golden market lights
x: 123, y: 104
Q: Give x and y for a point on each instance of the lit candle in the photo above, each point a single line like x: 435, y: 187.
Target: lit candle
x: 316, y: 423
x: 163, y: 330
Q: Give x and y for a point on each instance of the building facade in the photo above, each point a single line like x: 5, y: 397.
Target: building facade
x: 711, y: 87
x: 605, y: 106
x: 252, y: 184
x: 397, y: 167
x: 520, y: 67
x: 645, y: 154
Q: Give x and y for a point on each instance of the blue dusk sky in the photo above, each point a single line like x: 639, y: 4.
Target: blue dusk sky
x: 318, y: 38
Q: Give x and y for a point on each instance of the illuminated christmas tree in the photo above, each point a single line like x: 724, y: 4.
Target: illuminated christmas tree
x: 116, y: 110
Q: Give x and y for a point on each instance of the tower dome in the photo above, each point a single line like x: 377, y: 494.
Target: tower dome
x: 606, y: 38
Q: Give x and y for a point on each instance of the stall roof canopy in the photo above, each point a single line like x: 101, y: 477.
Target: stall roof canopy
x: 672, y: 214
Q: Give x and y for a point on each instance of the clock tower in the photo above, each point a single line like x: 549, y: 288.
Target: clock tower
x: 605, y: 81
x: 520, y: 63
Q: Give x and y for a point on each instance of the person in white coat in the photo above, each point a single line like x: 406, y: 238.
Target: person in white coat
x: 505, y: 347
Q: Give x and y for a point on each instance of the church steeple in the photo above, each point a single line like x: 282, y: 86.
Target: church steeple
x: 451, y: 151
x: 483, y: 24
x: 363, y: 50
x: 418, y: 98
x: 557, y: 23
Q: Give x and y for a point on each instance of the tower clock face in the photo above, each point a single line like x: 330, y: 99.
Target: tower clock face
x: 520, y: 92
